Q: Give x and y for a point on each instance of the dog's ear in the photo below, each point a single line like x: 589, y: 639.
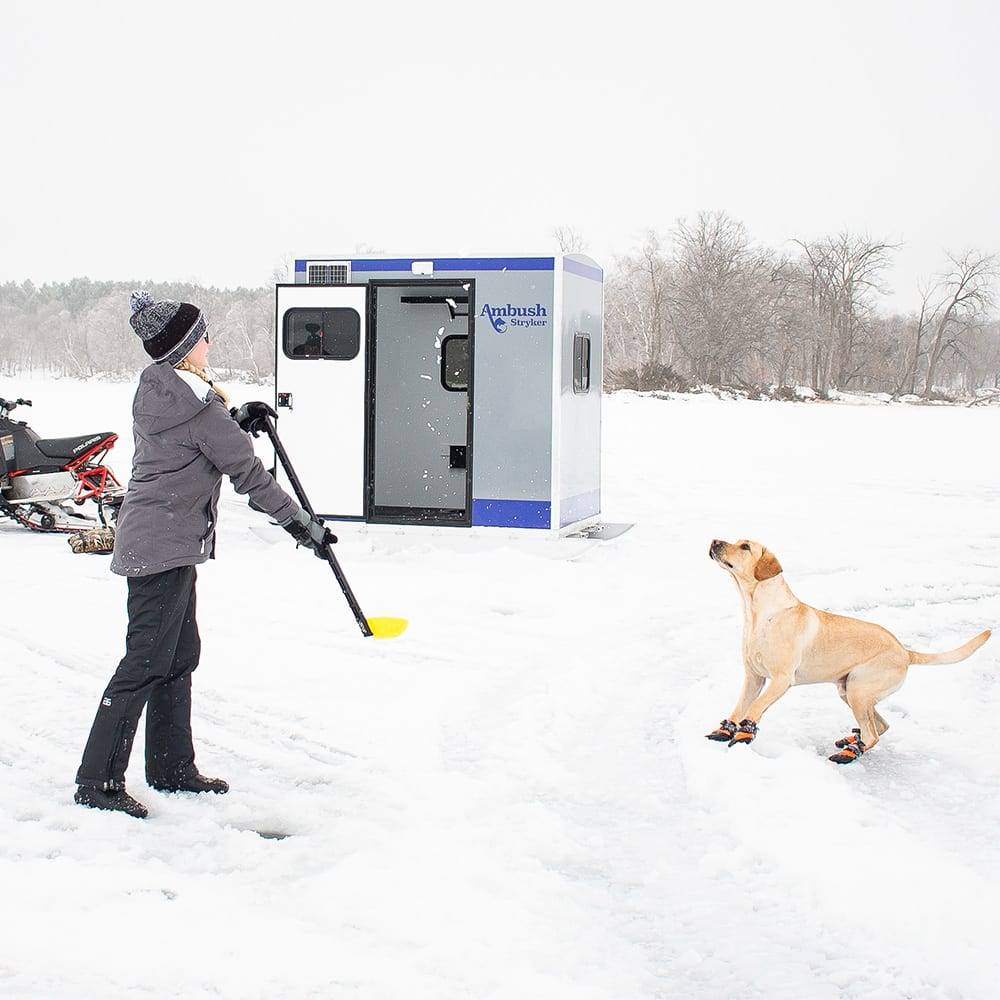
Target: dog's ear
x: 767, y: 566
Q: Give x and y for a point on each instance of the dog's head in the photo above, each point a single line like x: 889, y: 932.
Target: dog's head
x: 749, y: 562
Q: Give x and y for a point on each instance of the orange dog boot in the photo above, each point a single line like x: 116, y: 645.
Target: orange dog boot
x: 724, y: 733
x: 851, y: 748
x: 745, y: 733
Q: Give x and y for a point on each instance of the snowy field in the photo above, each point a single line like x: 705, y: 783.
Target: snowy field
x: 515, y: 800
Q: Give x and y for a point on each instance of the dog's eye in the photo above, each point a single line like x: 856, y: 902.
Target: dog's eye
x: 746, y: 548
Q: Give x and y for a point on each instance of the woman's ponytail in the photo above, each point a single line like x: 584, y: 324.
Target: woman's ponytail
x: 186, y: 366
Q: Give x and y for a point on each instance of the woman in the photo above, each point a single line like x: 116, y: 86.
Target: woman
x: 185, y: 440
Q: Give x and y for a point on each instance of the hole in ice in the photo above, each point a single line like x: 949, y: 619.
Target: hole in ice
x: 267, y: 833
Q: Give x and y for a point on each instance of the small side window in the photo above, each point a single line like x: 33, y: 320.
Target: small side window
x: 455, y: 363
x: 321, y: 334
x: 581, y: 363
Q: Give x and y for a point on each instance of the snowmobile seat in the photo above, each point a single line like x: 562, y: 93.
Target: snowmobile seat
x: 72, y: 447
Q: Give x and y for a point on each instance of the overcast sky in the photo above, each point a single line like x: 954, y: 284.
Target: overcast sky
x: 207, y: 141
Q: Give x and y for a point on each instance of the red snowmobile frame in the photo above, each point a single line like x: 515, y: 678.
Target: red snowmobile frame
x: 54, y: 471
x: 93, y: 476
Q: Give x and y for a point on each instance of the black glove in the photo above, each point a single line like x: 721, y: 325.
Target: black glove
x: 311, y: 532
x: 250, y: 416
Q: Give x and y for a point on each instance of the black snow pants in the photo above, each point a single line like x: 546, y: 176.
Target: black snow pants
x: 162, y: 647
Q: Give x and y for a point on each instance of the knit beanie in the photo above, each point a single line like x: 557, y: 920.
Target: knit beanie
x: 169, y: 330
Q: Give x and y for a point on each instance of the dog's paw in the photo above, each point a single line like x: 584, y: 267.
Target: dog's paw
x: 850, y: 747
x: 724, y: 733
x: 745, y: 733
x: 849, y: 741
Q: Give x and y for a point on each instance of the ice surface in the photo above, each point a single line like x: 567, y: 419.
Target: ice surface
x: 515, y: 800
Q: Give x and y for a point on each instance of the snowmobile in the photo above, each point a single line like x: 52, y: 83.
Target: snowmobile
x: 43, y: 480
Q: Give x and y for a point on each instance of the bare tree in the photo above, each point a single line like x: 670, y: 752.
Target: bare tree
x: 922, y: 321
x: 569, y: 239
x: 282, y: 268
x: 789, y: 327
x: 248, y: 337
x: 966, y: 295
x: 846, y: 272
x: 981, y: 353
x: 636, y: 303
x: 725, y: 297
x: 101, y: 341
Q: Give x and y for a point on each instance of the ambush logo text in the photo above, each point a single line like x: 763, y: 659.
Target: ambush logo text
x: 508, y: 315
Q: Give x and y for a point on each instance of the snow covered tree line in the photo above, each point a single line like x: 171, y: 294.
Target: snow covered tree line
x: 80, y: 327
x: 709, y: 306
x: 706, y: 305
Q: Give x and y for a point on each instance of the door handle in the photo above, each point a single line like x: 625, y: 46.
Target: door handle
x: 285, y: 399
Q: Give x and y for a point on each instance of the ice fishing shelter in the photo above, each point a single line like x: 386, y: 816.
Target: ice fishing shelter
x: 448, y: 390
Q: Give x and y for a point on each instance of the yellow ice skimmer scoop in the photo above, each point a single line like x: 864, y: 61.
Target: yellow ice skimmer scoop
x: 378, y: 628
x: 387, y: 628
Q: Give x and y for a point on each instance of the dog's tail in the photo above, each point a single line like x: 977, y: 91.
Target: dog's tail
x: 953, y: 655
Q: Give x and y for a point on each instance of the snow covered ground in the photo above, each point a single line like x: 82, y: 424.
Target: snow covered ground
x: 515, y: 800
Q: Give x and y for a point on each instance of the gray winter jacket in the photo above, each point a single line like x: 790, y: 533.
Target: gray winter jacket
x: 185, y: 440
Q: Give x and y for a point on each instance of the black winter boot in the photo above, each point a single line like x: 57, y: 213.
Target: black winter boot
x: 193, y: 783
x: 116, y: 799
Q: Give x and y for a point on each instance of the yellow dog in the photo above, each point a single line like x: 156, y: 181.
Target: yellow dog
x: 786, y: 642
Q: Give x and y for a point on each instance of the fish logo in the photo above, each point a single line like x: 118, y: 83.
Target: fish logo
x: 497, y: 320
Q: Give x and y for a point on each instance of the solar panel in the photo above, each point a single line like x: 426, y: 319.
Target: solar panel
x: 329, y: 274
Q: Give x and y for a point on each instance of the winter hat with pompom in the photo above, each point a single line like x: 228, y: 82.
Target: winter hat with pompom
x: 169, y: 330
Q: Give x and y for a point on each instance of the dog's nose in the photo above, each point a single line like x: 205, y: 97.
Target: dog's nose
x: 715, y: 546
